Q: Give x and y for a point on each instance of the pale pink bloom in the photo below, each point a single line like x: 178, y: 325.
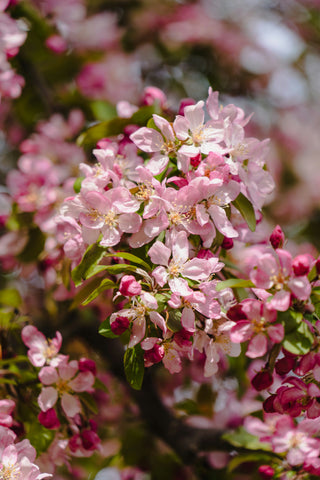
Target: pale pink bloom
x: 198, y: 136
x: 16, y: 459
x: 161, y: 144
x: 42, y: 350
x: 6, y: 409
x: 274, y: 272
x: 171, y: 271
x: 257, y: 327
x: 140, y: 307
x: 110, y: 213
x: 65, y: 381
x: 294, y: 441
x: 70, y: 235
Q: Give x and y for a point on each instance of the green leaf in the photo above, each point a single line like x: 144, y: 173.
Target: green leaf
x: 242, y: 438
x: 290, y: 320
x: 262, y: 458
x: 117, y: 268
x: 17, y: 359
x: 134, y: 366
x: 188, y: 405
x: 174, y: 321
x: 99, y: 385
x: 89, y: 402
x: 10, y: 297
x: 105, y: 329
x: 77, y: 184
x: 299, y: 341
x: 132, y: 258
x: 39, y: 436
x: 105, y: 284
x: 234, y: 283
x: 84, y: 293
x: 90, y: 259
x: 103, y: 110
x: 246, y: 209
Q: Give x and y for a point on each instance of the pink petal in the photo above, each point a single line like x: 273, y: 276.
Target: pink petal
x: 276, y: 332
x: 159, y: 254
x: 47, y: 398
x: 83, y: 382
x: 221, y: 221
x: 48, y: 375
x: 130, y: 222
x: 158, y: 320
x: 70, y: 405
x: 300, y: 287
x: 147, y: 139
x: 258, y: 346
x: 188, y: 319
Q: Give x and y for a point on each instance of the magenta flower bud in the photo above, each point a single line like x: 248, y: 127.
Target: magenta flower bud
x: 104, y: 143
x: 302, y: 264
x: 152, y: 95
x: 277, y: 237
x: 120, y: 325
x: 262, y: 380
x: 266, y: 472
x: 154, y: 355
x: 185, y: 102
x: 318, y: 265
x: 90, y: 440
x: 87, y: 365
x: 49, y: 419
x: 236, y: 313
x: 195, y: 161
x: 129, y: 287
x: 268, y: 404
x: 227, y: 243
x: 183, y: 338
x: 284, y: 365
x: 204, y: 253
x: 56, y: 44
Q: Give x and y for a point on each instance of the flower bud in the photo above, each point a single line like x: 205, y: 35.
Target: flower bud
x: 277, y: 237
x: 236, y: 313
x: 262, y: 380
x: 87, y: 365
x: 153, y: 94
x: 195, y: 161
x: 119, y: 325
x: 56, y: 44
x: 90, y: 440
x: 227, y: 243
x: 154, y: 355
x: 266, y: 472
x: 302, y: 264
x: 49, y: 419
x: 129, y: 287
x: 185, y: 102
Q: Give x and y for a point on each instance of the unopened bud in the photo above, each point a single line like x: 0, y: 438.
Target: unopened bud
x: 119, y: 325
x: 266, y: 472
x: 302, y: 264
x: 129, y: 287
x: 277, y: 237
x: 49, y: 419
x: 227, y: 243
x: 262, y: 380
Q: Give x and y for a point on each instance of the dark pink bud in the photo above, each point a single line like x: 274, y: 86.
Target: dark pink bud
x: 90, y: 440
x: 129, y: 286
x: 120, y: 325
x: 87, y: 365
x: 204, y: 253
x: 262, y: 380
x: 183, y: 338
x: 227, y: 243
x: 104, y: 143
x: 268, y: 406
x: 318, y: 265
x: 266, y: 472
x: 277, y: 237
x: 195, y: 161
x: 185, y: 102
x: 56, y: 44
x: 152, y: 95
x: 49, y: 419
x: 284, y: 365
x: 154, y: 355
x: 302, y: 264
x: 236, y: 313
x: 75, y: 443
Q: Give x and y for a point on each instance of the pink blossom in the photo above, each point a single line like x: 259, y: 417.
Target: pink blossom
x: 41, y: 350
x: 6, y: 408
x: 129, y: 286
x: 64, y: 381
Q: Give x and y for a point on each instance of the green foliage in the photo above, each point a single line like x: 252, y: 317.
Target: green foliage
x: 234, y: 283
x: 132, y: 258
x: 174, y: 321
x: 10, y: 297
x: 241, y: 438
x: 246, y: 209
x: 39, y: 436
x: 134, y: 366
x: 298, y: 337
x: 90, y: 259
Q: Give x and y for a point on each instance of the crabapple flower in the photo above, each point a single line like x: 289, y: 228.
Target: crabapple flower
x: 16, y: 459
x: 258, y: 325
x: 196, y: 269
x: 41, y: 350
x: 63, y: 383
x: 6, y: 409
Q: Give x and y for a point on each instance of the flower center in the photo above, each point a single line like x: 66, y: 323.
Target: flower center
x: 10, y: 472
x: 110, y: 219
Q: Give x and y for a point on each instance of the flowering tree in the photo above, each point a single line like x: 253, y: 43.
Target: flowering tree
x: 156, y: 321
